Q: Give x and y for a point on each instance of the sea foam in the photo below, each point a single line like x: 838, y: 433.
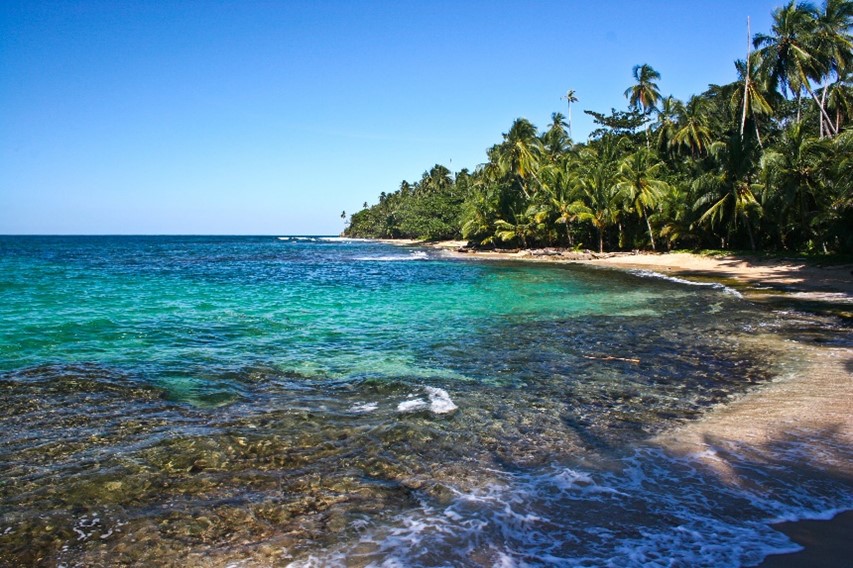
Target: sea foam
x: 654, y: 510
x: 414, y: 255
x: 364, y: 407
x: 715, y: 285
x: 439, y: 402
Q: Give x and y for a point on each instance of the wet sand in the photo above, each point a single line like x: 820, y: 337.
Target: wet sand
x: 827, y: 544
x: 803, y: 419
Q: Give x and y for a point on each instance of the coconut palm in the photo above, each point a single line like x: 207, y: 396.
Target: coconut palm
x: 521, y: 226
x: 640, y: 185
x: 437, y: 180
x: 834, y: 47
x: 727, y: 192
x: 752, y: 99
x: 667, y: 123
x: 798, y: 176
x: 519, y: 155
x: 561, y: 202
x: 832, y: 36
x: 693, y: 133
x: 594, y: 178
x: 790, y: 56
x: 645, y: 94
x: 556, y: 140
x: 839, y: 100
x: 570, y: 98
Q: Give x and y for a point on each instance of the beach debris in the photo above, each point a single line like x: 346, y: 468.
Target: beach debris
x: 613, y: 358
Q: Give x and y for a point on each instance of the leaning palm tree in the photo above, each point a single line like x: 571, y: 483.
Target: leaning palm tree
x: 791, y: 56
x: 645, y: 94
x: 832, y: 36
x: 640, y: 185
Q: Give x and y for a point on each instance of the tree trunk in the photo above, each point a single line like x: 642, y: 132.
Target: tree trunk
x: 819, y: 106
x: 745, y: 82
x: 600, y: 240
x: 569, y: 235
x: 757, y: 134
x: 749, y: 232
x: 649, y: 225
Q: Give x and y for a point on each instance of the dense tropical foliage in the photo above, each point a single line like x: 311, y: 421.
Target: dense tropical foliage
x: 763, y: 162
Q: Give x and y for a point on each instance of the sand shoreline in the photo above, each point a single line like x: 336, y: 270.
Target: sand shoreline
x: 796, y: 278
x: 832, y: 283
x: 812, y: 407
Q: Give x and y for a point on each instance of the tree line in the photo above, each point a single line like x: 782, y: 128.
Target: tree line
x: 764, y: 162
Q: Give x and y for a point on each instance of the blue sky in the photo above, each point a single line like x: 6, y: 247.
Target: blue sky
x: 272, y: 117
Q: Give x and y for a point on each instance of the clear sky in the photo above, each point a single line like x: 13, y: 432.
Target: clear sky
x: 183, y: 117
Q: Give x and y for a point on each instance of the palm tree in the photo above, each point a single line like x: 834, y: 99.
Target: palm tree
x: 560, y: 200
x: 832, y: 36
x: 437, y: 180
x: 835, y: 46
x: 676, y: 215
x: 556, y: 140
x: 570, y: 98
x: 752, y: 99
x: 644, y: 95
x: 667, y: 123
x: 791, y: 57
x: 594, y: 177
x: 840, y: 100
x: 727, y: 192
x: 640, y: 185
x: 693, y: 132
x: 519, y: 155
x: 522, y: 226
x: 798, y: 176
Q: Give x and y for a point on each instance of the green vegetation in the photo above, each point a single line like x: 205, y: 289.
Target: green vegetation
x: 765, y: 162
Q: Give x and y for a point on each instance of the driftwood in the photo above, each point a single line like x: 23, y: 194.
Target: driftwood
x: 612, y: 358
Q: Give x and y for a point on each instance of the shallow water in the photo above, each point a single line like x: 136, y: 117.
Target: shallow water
x: 262, y: 401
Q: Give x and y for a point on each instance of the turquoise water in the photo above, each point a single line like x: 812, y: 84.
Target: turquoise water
x: 329, y: 402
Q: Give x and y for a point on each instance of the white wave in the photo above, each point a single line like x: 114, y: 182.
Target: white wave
x: 653, y: 511
x: 299, y: 239
x: 439, y: 402
x: 342, y: 240
x: 414, y: 255
x: 411, y: 405
x: 364, y: 407
x: 658, y: 275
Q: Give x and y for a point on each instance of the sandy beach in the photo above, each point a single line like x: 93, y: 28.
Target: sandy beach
x: 794, y: 277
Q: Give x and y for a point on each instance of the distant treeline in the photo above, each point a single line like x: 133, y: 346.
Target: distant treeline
x: 763, y: 162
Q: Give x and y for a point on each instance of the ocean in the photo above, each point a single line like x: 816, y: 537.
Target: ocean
x: 317, y: 401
